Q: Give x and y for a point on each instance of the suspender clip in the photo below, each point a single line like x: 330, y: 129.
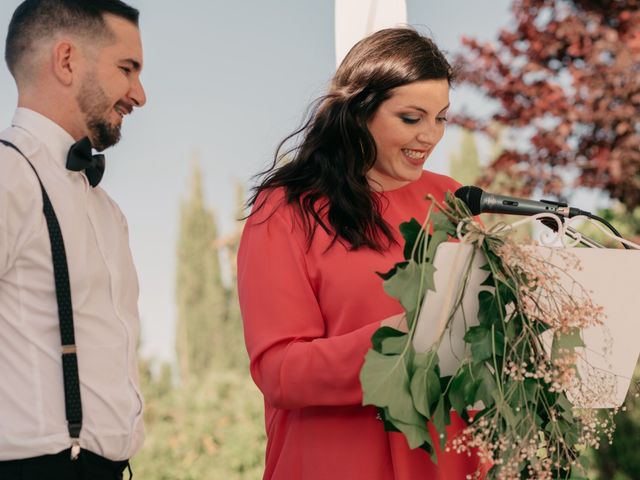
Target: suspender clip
x: 75, y: 448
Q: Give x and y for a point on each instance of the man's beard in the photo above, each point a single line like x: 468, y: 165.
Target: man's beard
x: 95, y: 105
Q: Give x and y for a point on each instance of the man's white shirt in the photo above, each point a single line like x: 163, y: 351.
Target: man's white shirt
x: 104, y: 293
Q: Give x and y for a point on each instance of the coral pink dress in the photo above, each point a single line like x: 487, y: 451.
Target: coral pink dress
x: 308, y: 319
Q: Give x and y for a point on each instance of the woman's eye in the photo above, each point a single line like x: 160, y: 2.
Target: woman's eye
x: 442, y: 119
x: 409, y: 120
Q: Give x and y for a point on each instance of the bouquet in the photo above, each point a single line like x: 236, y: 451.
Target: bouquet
x: 527, y: 427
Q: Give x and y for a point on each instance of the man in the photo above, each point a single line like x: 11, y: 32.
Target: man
x: 77, y: 67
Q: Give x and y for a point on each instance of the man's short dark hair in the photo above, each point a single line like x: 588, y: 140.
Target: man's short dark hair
x: 35, y: 20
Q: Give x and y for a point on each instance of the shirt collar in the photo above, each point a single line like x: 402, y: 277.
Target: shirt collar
x: 56, y: 139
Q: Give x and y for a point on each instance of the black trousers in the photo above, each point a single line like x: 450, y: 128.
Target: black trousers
x: 88, y: 466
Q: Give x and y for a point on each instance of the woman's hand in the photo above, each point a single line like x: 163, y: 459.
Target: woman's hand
x: 399, y: 322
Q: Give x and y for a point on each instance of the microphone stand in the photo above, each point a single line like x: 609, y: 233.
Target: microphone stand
x: 589, y: 242
x: 569, y: 231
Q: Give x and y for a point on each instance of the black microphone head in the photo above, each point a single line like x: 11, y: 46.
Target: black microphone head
x: 470, y: 195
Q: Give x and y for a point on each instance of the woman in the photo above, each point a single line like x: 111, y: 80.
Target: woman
x: 322, y: 224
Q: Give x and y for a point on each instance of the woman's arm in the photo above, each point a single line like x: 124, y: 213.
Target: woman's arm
x: 292, y: 362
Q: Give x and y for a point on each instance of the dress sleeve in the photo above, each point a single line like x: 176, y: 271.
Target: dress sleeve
x: 291, y: 360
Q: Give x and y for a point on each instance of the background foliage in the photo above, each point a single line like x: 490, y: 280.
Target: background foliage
x: 212, y: 428
x: 205, y: 420
x: 565, y: 76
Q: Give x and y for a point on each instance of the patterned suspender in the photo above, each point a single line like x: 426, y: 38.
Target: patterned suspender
x: 72, y: 402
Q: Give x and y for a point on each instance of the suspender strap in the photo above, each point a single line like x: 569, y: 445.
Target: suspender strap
x: 72, y: 403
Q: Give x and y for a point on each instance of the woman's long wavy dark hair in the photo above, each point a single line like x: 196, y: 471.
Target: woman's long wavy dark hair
x: 325, y: 174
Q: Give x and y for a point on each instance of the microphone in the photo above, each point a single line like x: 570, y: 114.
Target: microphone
x: 480, y: 201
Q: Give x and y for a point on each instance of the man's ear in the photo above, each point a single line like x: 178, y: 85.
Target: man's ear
x: 64, y: 58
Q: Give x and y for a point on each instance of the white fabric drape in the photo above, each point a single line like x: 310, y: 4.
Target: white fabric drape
x: 355, y: 19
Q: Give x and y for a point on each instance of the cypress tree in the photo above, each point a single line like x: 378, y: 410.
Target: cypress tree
x: 200, y: 293
x: 465, y: 164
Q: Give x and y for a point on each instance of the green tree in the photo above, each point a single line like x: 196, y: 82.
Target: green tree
x: 465, y: 164
x: 200, y: 293
x: 212, y: 425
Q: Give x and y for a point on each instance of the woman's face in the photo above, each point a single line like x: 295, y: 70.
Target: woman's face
x: 406, y: 128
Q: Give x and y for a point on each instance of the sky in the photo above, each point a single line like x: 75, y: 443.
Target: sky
x: 225, y: 82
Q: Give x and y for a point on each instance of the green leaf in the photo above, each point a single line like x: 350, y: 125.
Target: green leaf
x: 427, y: 360
x: 566, y: 341
x: 441, y: 222
x: 428, y: 447
x: 425, y: 383
x: 513, y: 328
x: 490, y: 311
x: 441, y: 419
x: 392, y: 272
x: 415, y: 434
x: 489, y: 281
x: 405, y: 284
x: 565, y: 405
x: 383, y: 378
x: 425, y: 389
x: 429, y: 271
x: 585, y: 463
x: 411, y: 232
x: 486, y: 386
x: 457, y: 392
x: 492, y: 258
x: 482, y: 348
x: 435, y: 240
x: 411, y: 316
x: 385, y: 383
x: 531, y: 387
x: 444, y: 381
x: 388, y: 424
x: 384, y: 333
x: 577, y: 476
x: 394, y: 345
x: 570, y: 340
x: 471, y: 392
x: 540, y: 327
x: 499, y: 343
x: 506, y: 292
x: 538, y: 419
x: 506, y: 411
x: 475, y: 334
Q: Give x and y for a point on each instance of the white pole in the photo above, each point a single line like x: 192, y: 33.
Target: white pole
x: 355, y: 19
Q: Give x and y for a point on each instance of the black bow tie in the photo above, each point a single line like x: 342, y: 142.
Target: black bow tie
x: 79, y: 158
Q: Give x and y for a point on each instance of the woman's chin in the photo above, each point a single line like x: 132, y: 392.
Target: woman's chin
x: 413, y: 173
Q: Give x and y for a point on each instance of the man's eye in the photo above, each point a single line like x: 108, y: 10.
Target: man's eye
x: 409, y: 120
x: 126, y: 70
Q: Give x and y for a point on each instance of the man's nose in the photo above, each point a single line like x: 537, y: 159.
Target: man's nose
x: 137, y: 94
